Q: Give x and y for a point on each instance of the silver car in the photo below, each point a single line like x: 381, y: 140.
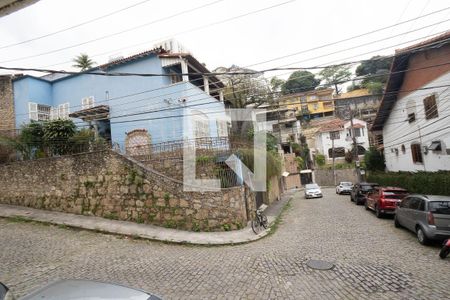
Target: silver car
x: 75, y: 289
x: 427, y: 216
x: 344, y: 187
x: 313, y: 190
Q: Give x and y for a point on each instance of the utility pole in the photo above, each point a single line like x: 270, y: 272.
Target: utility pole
x: 355, y: 146
x: 332, y: 153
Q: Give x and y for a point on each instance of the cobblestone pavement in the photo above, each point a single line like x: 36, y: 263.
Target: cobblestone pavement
x: 373, y: 260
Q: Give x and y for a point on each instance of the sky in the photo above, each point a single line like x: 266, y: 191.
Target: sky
x: 217, y: 32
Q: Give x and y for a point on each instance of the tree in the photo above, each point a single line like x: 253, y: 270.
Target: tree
x: 276, y: 84
x: 376, y: 73
x: 83, y: 62
x: 244, y: 89
x: 335, y: 75
x: 374, y: 160
x: 300, y: 81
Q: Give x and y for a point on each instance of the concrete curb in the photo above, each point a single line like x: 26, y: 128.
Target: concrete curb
x: 140, y: 231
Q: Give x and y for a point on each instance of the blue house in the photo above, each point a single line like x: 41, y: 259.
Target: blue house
x: 130, y: 110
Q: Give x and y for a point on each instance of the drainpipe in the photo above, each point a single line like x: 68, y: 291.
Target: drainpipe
x: 206, y: 85
x: 184, y: 69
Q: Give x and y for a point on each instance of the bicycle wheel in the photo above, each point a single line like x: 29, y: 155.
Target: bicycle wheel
x: 264, y: 221
x: 256, y: 225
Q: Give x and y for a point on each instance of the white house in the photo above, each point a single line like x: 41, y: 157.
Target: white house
x: 340, y: 131
x: 414, y: 115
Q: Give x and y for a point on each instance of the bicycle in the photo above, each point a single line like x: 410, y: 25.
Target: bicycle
x: 260, y: 220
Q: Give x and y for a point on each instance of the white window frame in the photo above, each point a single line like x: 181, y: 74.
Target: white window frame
x: 63, y: 111
x: 87, y: 102
x: 33, y: 111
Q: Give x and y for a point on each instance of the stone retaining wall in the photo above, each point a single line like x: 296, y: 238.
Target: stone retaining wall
x: 110, y: 185
x: 325, y: 177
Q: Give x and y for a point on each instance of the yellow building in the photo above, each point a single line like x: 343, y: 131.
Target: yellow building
x: 311, y: 104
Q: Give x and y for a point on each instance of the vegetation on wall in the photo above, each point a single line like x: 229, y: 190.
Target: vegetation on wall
x: 428, y: 183
x: 320, y: 160
x: 50, y: 138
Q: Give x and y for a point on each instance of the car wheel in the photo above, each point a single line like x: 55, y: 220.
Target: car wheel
x: 421, y: 237
x: 378, y: 213
x: 396, y: 222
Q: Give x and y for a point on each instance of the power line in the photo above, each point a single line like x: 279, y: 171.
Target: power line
x: 350, y: 38
x: 214, y: 102
x: 112, y: 74
x: 195, y: 87
x: 288, y: 55
x: 136, y: 27
x: 73, y: 26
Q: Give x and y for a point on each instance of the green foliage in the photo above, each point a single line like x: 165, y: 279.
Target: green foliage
x: 166, y: 196
x: 334, y: 75
x: 377, y: 65
x: 276, y: 84
x: 428, y: 183
x: 205, y: 159
x: 375, y: 88
x: 112, y: 216
x: 374, y: 160
x: 83, y: 62
x: 300, y: 163
x: 226, y: 227
x: 320, y: 160
x: 376, y: 71
x: 271, y: 140
x: 349, y: 156
x: 57, y: 134
x: 273, y: 160
x: 300, y: 81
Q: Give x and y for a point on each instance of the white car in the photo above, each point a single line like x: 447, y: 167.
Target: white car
x: 344, y: 187
x: 313, y: 190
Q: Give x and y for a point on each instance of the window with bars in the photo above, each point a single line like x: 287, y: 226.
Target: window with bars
x: 416, y: 153
x: 430, y: 106
x: 334, y: 135
x: 63, y: 111
x: 38, y: 112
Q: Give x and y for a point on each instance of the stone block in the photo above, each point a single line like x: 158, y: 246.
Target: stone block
x: 124, y: 189
x: 184, y: 203
x: 139, y: 203
x: 173, y: 202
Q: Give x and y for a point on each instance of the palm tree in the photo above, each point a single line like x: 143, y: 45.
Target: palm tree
x: 83, y: 62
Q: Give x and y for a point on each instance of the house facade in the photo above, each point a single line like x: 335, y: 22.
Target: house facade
x: 282, y: 123
x: 414, y: 114
x: 340, y: 133
x: 312, y: 104
x: 128, y: 110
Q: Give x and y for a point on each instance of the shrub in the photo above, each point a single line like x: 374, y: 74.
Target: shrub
x: 320, y: 160
x: 374, y: 160
x: 428, y: 183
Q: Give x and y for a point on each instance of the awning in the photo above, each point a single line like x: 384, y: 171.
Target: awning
x: 92, y: 113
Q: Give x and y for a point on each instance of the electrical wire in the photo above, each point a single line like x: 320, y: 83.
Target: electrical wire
x: 73, y: 26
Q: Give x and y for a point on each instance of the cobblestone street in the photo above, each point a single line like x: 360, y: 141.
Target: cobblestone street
x: 372, y: 259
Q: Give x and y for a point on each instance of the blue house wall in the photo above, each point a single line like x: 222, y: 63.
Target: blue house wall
x: 30, y: 89
x: 135, y: 102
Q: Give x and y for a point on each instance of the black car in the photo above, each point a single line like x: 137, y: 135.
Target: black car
x: 360, y: 191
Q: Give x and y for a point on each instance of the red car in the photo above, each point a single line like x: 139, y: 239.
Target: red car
x: 384, y: 200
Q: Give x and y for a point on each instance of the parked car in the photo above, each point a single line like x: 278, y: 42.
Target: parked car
x: 427, y: 216
x: 313, y: 190
x: 360, y: 190
x: 344, y: 187
x: 384, y: 200
x: 75, y: 289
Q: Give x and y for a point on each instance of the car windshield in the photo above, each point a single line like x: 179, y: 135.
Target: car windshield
x: 440, y: 207
x: 366, y: 187
x: 311, y: 186
x: 395, y: 194
x: 346, y: 183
